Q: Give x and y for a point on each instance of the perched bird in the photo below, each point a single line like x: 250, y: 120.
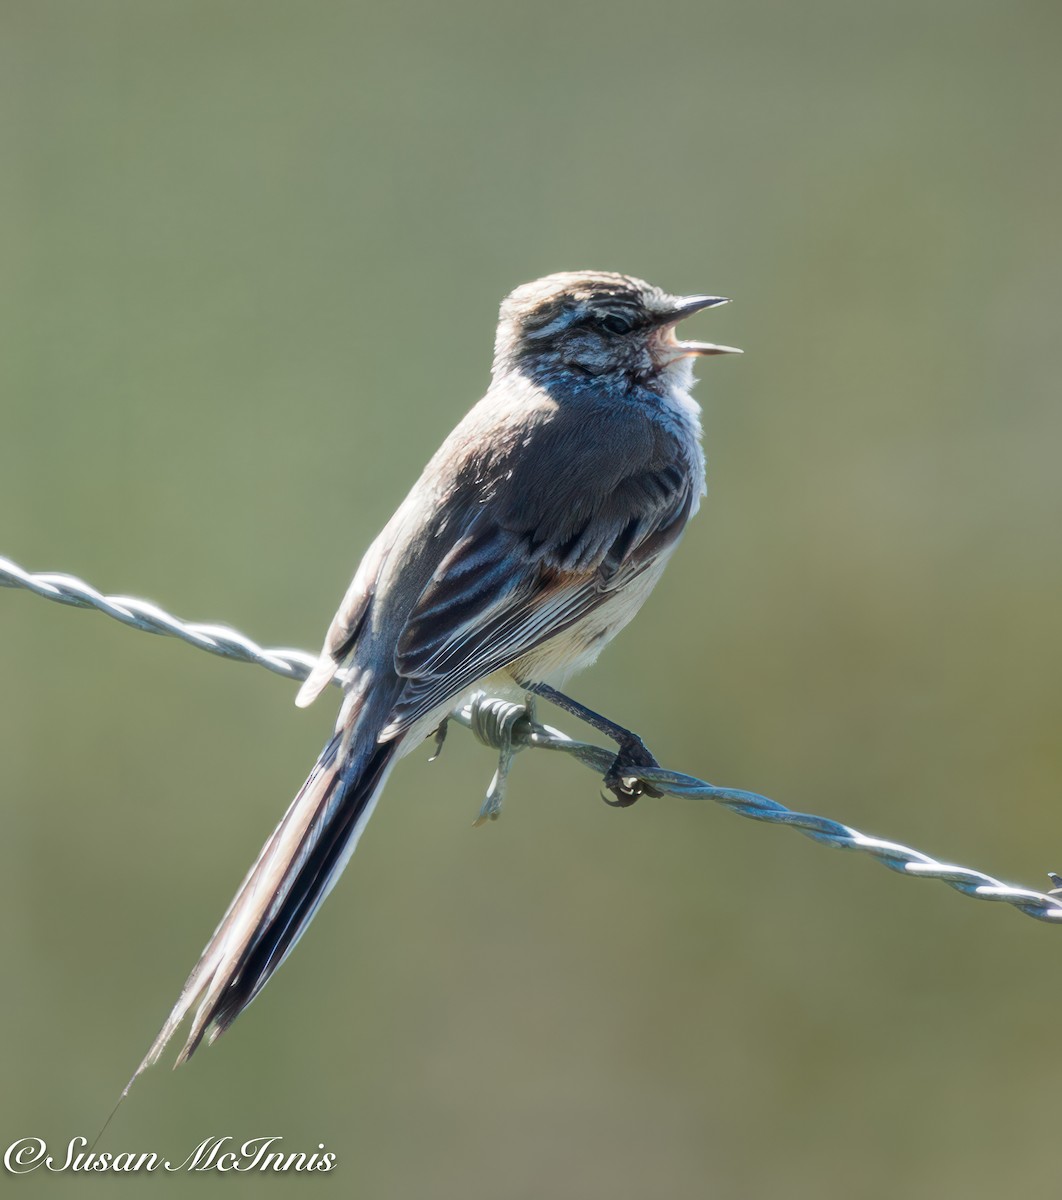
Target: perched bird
x: 532, y: 537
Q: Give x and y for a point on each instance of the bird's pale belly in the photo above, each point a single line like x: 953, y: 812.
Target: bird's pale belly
x: 555, y: 661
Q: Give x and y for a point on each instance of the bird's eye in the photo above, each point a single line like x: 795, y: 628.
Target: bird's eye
x: 615, y: 324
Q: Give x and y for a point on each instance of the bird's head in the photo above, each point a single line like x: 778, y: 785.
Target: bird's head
x: 596, y: 324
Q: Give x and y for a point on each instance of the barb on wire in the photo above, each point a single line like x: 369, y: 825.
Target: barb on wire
x: 506, y: 732
x: 508, y: 728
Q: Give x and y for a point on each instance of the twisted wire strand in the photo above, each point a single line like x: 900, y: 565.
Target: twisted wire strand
x: 507, y: 728
x: 496, y: 731
x: 149, y: 618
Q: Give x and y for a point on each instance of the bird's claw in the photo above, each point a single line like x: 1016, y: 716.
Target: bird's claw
x: 622, y: 779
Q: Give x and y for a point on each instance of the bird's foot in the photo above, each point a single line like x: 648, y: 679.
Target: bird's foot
x: 622, y: 777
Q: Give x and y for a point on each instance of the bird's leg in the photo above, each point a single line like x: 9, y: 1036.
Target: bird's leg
x: 622, y: 777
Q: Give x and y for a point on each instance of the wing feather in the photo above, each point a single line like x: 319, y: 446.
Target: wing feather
x: 498, y: 594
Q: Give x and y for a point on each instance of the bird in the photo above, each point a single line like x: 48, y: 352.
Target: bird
x: 533, y: 536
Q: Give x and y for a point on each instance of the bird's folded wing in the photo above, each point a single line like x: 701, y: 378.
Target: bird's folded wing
x: 510, y: 584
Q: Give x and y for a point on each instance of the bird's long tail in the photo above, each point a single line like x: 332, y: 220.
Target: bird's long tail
x: 281, y: 893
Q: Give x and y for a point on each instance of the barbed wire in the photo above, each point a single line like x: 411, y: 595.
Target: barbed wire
x: 149, y: 618
x: 509, y: 728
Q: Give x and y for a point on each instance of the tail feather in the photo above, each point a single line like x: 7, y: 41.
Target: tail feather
x: 321, y: 867
x: 295, y: 871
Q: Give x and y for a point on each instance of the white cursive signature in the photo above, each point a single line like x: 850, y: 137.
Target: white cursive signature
x: 221, y: 1154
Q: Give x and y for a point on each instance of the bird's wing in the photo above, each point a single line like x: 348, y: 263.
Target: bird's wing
x: 348, y: 622
x: 529, y: 565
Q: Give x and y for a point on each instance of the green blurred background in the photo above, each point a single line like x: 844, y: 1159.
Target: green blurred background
x: 253, y: 254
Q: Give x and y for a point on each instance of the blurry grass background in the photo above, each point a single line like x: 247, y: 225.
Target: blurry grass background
x: 252, y: 257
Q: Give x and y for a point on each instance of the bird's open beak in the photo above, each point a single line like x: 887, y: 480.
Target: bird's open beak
x: 686, y: 307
